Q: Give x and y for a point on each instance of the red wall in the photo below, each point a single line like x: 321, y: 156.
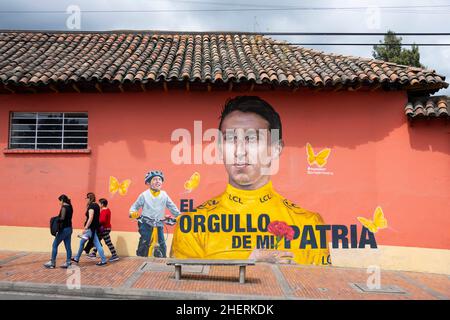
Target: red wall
x: 377, y: 158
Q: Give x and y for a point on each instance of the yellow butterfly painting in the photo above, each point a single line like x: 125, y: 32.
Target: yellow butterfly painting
x: 115, y: 185
x: 320, y: 158
x: 379, y: 221
x: 193, y: 182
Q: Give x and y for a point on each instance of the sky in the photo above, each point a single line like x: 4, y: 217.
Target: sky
x: 414, y: 16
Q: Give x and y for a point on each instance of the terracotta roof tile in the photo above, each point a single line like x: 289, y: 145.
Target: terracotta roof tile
x: 428, y: 107
x: 43, y: 58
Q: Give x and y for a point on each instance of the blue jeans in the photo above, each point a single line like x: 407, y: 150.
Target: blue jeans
x: 146, y: 232
x: 97, y: 244
x: 66, y: 236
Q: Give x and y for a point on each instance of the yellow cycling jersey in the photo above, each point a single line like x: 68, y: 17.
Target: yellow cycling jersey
x: 233, y: 224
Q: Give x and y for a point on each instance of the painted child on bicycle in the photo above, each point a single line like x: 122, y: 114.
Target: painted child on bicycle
x: 153, y: 203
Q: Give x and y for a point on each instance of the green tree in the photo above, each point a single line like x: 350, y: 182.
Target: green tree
x: 391, y: 50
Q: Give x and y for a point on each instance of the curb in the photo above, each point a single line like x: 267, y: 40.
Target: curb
x: 123, y: 293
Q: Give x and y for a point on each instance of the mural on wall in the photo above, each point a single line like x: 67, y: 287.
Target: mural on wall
x: 249, y: 219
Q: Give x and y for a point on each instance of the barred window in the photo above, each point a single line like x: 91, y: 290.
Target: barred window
x: 48, y: 130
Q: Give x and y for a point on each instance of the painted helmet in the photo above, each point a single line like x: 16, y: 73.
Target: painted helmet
x: 151, y: 174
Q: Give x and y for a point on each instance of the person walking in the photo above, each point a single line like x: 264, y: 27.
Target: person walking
x: 64, y: 234
x: 91, y: 227
x: 105, y: 230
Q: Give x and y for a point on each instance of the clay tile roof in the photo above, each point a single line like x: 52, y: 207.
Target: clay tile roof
x: 35, y: 59
x: 428, y: 107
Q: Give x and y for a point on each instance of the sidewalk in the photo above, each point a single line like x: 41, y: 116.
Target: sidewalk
x: 141, y: 278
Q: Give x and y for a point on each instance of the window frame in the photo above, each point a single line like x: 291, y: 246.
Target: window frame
x: 59, y: 147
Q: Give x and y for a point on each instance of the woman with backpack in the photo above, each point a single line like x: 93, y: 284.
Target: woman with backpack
x: 64, y: 233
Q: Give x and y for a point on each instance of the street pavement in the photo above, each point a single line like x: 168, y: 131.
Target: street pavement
x: 22, y: 276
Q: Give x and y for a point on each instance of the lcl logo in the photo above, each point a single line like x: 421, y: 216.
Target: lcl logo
x: 235, y: 198
x: 265, y: 198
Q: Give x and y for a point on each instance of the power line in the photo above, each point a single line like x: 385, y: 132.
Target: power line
x: 421, y: 7
x: 228, y: 4
x: 293, y: 6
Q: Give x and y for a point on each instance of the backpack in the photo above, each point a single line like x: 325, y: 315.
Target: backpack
x: 54, y: 225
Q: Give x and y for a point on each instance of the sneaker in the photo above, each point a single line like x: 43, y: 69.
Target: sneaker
x: 113, y: 258
x: 92, y: 256
x: 49, y: 265
x: 66, y: 265
x: 75, y: 260
x: 101, y: 264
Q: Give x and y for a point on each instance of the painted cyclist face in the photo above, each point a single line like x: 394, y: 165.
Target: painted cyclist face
x: 156, y: 183
x: 246, y: 149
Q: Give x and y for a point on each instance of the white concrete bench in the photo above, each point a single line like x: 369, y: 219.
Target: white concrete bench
x: 241, y: 263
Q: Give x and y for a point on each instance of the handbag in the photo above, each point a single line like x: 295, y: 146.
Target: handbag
x: 54, y: 225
